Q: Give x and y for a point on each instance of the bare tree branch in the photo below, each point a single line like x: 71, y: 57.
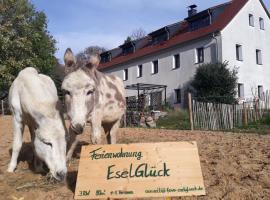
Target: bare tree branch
x: 138, y: 34
x: 83, y: 56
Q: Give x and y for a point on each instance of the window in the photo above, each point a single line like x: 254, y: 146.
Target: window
x: 105, y: 57
x: 128, y: 49
x: 177, y: 93
x: 258, y: 57
x: 155, y: 67
x: 139, y: 71
x: 125, y: 74
x: 260, y: 91
x: 241, y: 90
x: 199, y: 23
x: 200, y: 55
x: 251, y: 20
x: 156, y: 39
x: 239, y: 55
x: 261, y: 22
x: 176, y: 61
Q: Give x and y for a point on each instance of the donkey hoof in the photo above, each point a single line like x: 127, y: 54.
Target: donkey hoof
x: 11, y: 169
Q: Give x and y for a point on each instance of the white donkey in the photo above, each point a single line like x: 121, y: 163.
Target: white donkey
x: 33, y: 101
x: 94, y: 96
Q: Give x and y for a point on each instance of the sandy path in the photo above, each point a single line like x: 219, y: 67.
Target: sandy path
x: 235, y: 166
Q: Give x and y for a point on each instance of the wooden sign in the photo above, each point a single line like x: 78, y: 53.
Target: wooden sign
x: 139, y: 170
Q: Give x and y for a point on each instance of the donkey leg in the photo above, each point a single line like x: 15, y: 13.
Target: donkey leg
x: 37, y: 163
x: 113, y: 132
x: 96, y: 132
x: 74, y: 141
x: 17, y: 142
x: 107, y: 128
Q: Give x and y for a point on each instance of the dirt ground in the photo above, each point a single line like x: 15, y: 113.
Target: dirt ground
x: 234, y: 166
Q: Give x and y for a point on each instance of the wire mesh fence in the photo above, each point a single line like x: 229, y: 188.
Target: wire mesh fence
x: 141, y: 106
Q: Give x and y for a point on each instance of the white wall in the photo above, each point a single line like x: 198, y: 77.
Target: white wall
x: 238, y: 31
x: 173, y: 78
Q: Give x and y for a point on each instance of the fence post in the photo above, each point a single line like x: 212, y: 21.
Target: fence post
x: 125, y: 119
x: 245, y: 114
x: 2, y: 106
x: 190, y: 111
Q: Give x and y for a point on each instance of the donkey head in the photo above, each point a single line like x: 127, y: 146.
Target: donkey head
x: 80, y: 86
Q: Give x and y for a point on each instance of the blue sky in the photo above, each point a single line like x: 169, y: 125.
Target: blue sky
x: 82, y: 23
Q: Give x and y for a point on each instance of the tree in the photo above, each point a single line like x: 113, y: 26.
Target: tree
x: 24, y: 41
x: 83, y: 56
x: 215, y: 82
x: 128, y: 40
x: 135, y: 35
x: 138, y: 34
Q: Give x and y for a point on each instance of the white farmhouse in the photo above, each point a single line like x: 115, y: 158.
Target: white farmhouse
x: 237, y: 31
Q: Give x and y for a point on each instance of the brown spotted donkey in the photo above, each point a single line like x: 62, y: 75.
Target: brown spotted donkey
x: 94, y: 96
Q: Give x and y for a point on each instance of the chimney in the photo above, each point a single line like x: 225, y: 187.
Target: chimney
x: 192, y: 10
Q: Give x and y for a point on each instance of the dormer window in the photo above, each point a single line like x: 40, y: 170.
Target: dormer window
x: 160, y: 35
x: 105, y: 57
x: 128, y: 48
x: 199, y: 23
x: 160, y: 38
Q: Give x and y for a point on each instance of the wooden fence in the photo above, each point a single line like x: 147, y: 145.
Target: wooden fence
x: 215, y: 116
x: 4, y: 107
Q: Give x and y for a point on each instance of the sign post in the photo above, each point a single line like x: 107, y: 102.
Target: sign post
x: 139, y: 170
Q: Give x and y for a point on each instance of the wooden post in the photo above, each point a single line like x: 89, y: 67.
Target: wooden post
x: 245, y: 114
x: 2, y: 106
x: 138, y: 97
x: 165, y: 96
x: 125, y: 120
x: 190, y: 111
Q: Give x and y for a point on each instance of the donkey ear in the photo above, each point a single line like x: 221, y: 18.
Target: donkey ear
x: 94, y: 60
x: 69, y: 58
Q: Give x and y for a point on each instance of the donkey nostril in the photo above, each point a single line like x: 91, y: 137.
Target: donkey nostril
x: 61, y: 175
x: 79, y: 127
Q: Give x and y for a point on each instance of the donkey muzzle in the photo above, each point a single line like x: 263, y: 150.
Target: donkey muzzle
x: 77, y: 128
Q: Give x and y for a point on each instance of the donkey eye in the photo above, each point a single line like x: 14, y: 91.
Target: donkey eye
x: 48, y: 143
x: 89, y: 92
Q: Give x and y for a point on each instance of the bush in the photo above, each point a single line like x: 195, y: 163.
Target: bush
x: 266, y: 119
x: 215, y: 82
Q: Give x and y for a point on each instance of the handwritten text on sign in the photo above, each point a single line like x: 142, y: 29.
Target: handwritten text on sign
x: 139, y: 170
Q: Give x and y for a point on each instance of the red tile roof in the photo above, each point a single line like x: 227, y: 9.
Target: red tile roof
x: 221, y: 22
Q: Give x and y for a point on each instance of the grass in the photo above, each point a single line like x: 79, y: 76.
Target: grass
x: 175, y: 120
x: 260, y: 127
x: 179, y: 120
x: 253, y: 128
